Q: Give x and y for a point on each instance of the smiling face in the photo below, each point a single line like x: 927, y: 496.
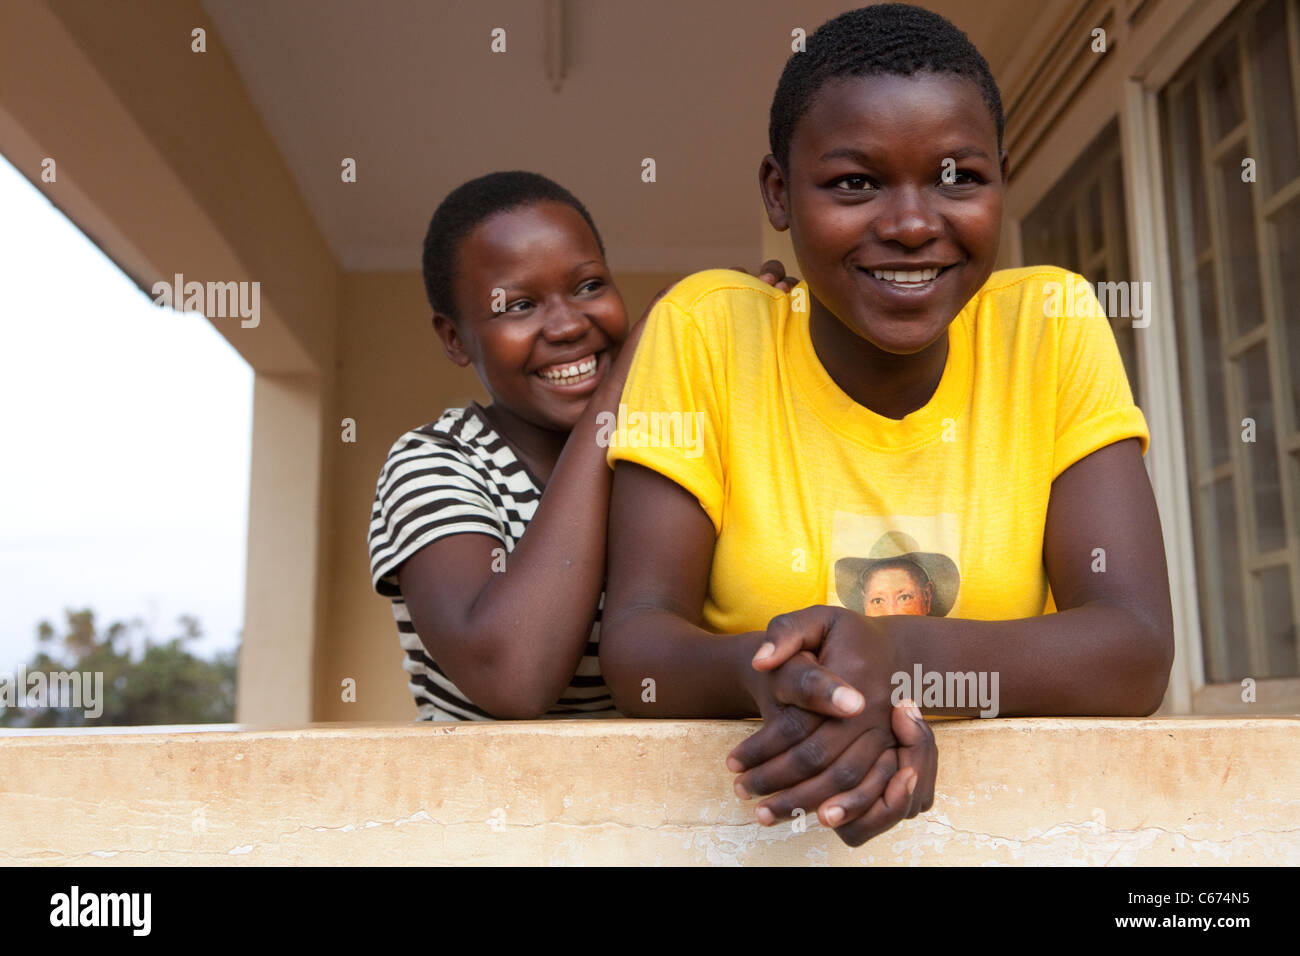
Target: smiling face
x: 543, y: 356
x: 865, y: 199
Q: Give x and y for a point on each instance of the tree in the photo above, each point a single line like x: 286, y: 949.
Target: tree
x: 164, y: 684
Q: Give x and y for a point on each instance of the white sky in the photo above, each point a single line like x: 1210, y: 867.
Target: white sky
x: 124, y: 443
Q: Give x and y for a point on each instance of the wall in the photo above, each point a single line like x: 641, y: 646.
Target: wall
x: 1179, y: 791
x: 164, y: 162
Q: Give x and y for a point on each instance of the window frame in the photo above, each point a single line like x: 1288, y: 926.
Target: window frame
x: 1150, y: 69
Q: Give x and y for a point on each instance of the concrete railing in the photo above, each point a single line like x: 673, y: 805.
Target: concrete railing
x: 1184, y: 791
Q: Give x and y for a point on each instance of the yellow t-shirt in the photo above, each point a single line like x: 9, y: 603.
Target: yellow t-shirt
x: 816, y: 499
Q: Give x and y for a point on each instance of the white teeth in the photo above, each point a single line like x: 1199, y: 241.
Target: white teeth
x: 570, y: 373
x: 906, y: 277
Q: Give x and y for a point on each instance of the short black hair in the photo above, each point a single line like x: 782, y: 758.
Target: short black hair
x: 887, y: 39
x: 470, y: 204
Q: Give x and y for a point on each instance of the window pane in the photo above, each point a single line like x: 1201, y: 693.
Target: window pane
x: 1037, y: 237
x: 1124, y: 338
x: 1120, y: 237
x: 1076, y: 206
x: 1287, y: 239
x: 1212, y: 362
x: 1261, y: 455
x: 1279, y: 624
x: 1092, y: 222
x: 1188, y: 178
x: 1295, y: 481
x: 1237, y: 249
x: 1070, y: 240
x: 1225, y: 90
x: 1220, y: 587
x: 1281, y: 159
x: 1239, y: 349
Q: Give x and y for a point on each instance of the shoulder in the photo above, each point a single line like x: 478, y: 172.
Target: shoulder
x: 435, y: 483
x: 459, y: 436
x: 1027, y: 285
x: 704, y: 296
x: 726, y: 285
x: 1040, y: 303
x: 456, y: 431
x: 725, y: 308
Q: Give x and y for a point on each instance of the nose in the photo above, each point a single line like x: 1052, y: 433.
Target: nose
x: 563, y: 320
x: 907, y: 218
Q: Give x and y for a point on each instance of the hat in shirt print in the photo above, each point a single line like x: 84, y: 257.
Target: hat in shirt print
x: 897, y: 575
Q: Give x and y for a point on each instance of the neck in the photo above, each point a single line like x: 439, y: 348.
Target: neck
x: 539, y: 448
x: 890, y: 385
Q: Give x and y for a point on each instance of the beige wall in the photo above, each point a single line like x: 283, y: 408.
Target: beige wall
x: 1009, y: 792
x: 164, y: 162
x: 394, y: 378
x: 191, y: 109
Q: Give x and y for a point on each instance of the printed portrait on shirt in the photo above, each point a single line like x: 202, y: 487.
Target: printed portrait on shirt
x: 894, y: 565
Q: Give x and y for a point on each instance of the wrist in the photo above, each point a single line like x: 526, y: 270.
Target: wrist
x: 905, y: 642
x: 910, y: 639
x: 868, y: 653
x: 748, y: 681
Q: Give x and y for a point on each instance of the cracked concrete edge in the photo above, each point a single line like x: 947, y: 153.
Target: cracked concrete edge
x: 1157, y: 791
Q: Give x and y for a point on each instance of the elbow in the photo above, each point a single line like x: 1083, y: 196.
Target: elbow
x: 1150, y: 670
x: 627, y: 699
x: 512, y: 690
x: 631, y: 692
x: 515, y: 702
x: 1158, y: 682
x: 498, y: 683
x: 631, y: 701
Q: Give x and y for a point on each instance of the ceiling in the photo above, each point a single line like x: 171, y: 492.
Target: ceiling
x: 412, y: 91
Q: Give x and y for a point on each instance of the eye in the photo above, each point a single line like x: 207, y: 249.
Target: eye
x: 853, y: 183
x: 963, y: 177
x: 591, y: 285
x: 519, y: 305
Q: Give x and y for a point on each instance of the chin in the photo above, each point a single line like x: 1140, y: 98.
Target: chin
x: 561, y: 419
x: 895, y: 344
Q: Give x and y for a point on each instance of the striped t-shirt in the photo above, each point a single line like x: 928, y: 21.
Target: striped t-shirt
x: 457, y: 476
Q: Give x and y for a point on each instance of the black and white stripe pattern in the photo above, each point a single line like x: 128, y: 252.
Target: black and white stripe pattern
x: 458, y: 476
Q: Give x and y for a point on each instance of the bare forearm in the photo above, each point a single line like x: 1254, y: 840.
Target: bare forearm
x: 1094, y: 660
x: 691, y: 672
x: 534, y: 618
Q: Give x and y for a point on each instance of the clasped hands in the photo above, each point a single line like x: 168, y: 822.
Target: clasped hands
x: 831, y: 738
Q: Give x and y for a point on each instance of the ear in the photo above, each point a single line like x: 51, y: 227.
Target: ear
x: 776, y: 192
x: 452, y: 342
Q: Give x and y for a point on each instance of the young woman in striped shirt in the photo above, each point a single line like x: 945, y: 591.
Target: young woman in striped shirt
x: 496, y: 622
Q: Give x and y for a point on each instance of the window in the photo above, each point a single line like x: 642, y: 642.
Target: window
x: 1229, y: 125
x: 1079, y: 226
